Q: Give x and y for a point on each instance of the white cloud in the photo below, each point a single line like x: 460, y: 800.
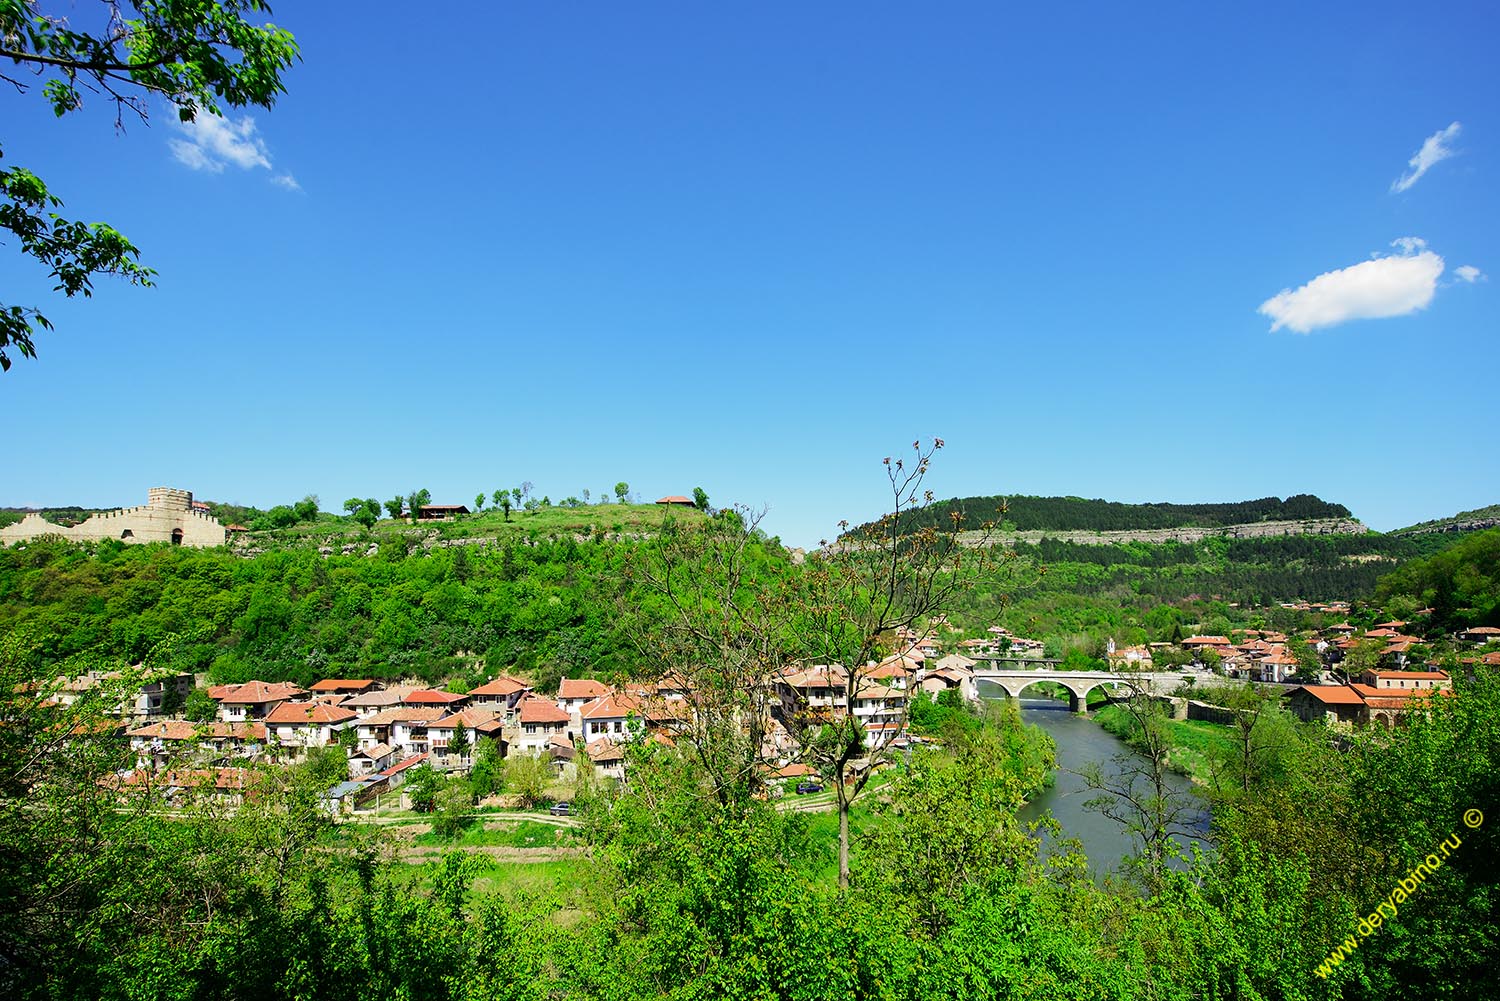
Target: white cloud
x: 213, y: 143
x: 1434, y: 150
x: 1469, y: 273
x: 1390, y: 285
x: 286, y: 181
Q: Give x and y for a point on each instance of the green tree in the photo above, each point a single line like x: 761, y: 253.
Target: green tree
x: 422, y: 788
x: 417, y: 500
x: 700, y: 498
x: 199, y: 708
x: 498, y: 495
x: 395, y: 506
x: 198, y: 57
x: 479, y: 502
x: 527, y: 776
x: 505, y: 505
x: 622, y: 490
x: 306, y: 509
x: 487, y: 772
x: 451, y: 809
x: 325, y: 767
x: 458, y: 744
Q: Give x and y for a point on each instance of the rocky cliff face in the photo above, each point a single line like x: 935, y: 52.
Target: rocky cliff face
x: 1456, y: 525
x: 1254, y: 530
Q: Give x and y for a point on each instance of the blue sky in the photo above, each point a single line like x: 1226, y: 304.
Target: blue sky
x: 758, y: 249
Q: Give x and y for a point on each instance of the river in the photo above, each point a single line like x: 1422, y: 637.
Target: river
x: 1079, y: 742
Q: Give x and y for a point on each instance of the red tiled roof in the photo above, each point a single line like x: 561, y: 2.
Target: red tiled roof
x: 604, y: 749
x: 471, y: 718
x: 611, y: 707
x: 542, y: 711
x: 405, y: 714
x: 676, y: 499
x: 342, y: 684
x: 177, y: 729
x: 580, y: 688
x: 402, y: 766
x: 316, y: 713
x: 1206, y: 641
x: 500, y: 686
x: 1333, y: 695
x: 431, y: 697
x: 256, y: 692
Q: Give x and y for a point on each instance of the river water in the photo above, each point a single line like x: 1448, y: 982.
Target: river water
x: 1079, y: 742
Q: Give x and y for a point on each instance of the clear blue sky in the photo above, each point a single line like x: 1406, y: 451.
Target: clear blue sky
x: 757, y: 248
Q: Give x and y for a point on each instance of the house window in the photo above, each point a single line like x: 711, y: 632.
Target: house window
x: 176, y: 536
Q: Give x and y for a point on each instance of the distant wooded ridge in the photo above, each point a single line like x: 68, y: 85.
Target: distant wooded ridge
x: 1031, y: 514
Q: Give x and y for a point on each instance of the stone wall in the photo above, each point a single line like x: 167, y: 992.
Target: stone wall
x: 168, y: 516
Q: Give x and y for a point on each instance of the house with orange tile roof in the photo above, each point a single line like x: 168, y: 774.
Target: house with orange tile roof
x: 499, y: 695
x: 612, y: 717
x: 607, y: 757
x: 440, y: 732
x: 308, y: 724
x: 540, y: 721
x: 573, y: 693
x: 343, y: 686
x: 253, y: 700
x: 450, y: 701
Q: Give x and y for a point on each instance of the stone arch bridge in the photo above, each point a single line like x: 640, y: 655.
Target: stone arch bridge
x: 1080, y: 683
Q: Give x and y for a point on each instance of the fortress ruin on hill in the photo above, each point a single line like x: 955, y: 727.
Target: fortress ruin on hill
x: 167, y: 516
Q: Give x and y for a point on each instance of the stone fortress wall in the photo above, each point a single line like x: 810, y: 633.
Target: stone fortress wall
x: 167, y: 516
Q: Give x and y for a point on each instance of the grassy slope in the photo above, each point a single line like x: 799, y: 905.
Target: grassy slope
x: 1196, y: 743
x: 614, y: 519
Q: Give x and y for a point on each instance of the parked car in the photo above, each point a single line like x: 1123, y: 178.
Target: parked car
x: 561, y: 810
x: 806, y: 787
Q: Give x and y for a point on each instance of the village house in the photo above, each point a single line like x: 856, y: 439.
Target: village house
x: 428, y: 697
x: 254, y: 700
x: 343, y: 686
x: 499, y: 695
x: 607, y: 757
x: 540, y: 721
x: 1480, y: 635
x: 819, y: 687
x: 574, y: 693
x: 369, y: 760
x: 308, y: 724
x: 440, y: 512
x: 161, y: 743
x: 440, y: 732
x: 608, y: 717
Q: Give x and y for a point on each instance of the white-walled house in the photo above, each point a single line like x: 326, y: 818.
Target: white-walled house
x: 308, y: 724
x: 540, y: 721
x: 574, y: 693
x: 254, y: 700
x: 610, y: 717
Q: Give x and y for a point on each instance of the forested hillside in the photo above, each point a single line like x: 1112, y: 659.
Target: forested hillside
x: 1461, y: 584
x: 296, y: 614
x: 1026, y: 514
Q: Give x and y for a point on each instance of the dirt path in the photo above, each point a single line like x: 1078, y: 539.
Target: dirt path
x: 501, y: 853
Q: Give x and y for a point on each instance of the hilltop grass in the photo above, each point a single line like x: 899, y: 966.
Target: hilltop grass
x: 584, y: 521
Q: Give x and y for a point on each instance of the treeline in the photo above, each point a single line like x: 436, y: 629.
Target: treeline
x: 1028, y: 514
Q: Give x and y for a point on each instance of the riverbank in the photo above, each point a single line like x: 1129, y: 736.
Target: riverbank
x: 1196, y: 745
